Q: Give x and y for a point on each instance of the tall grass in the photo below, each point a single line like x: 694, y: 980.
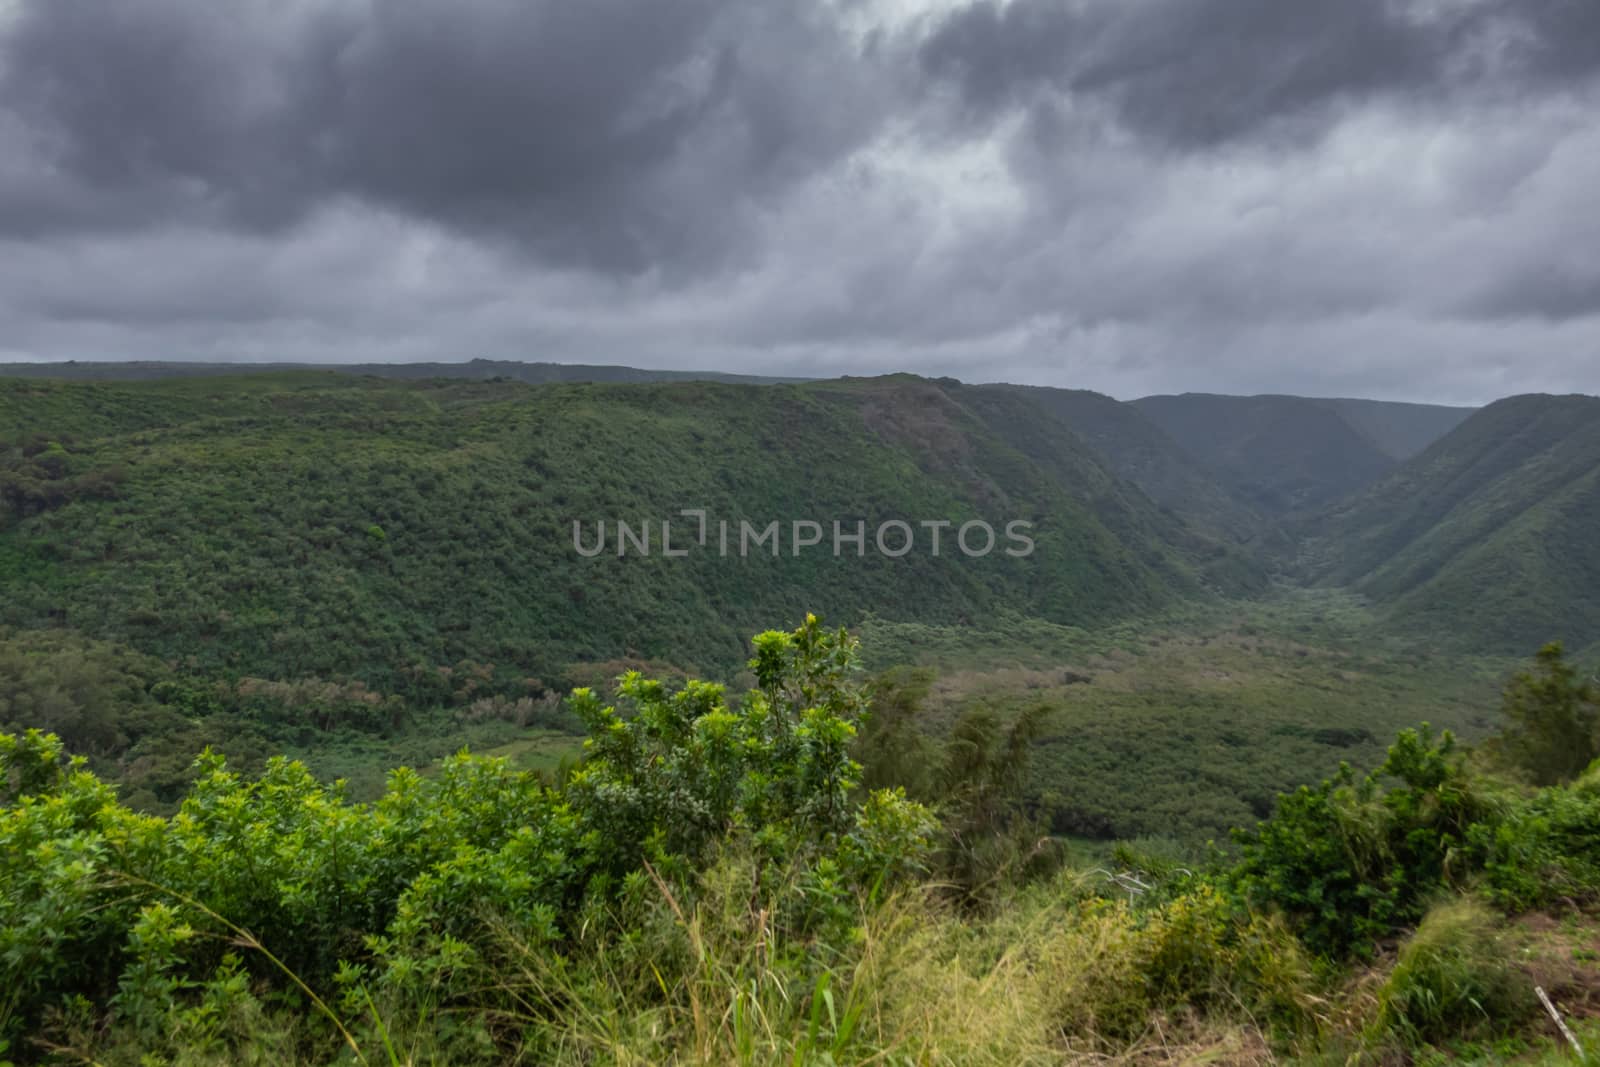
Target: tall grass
x: 1056, y: 975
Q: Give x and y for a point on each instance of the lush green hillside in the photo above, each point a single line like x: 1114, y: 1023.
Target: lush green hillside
x: 1283, y: 454
x: 314, y: 525
x: 1209, y: 528
x: 929, y: 863
x: 1489, y: 536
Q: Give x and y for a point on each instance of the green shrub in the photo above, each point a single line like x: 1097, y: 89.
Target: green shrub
x: 136, y: 915
x: 1546, y: 850
x: 1352, y: 860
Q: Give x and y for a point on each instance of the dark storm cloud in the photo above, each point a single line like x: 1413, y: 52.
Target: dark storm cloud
x: 140, y: 113
x: 607, y: 133
x: 1197, y: 73
x: 1353, y: 197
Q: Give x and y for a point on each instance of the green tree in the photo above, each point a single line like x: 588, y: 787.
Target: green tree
x: 991, y: 836
x: 891, y: 746
x: 1553, y: 732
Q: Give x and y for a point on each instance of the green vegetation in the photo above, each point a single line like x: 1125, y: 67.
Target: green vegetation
x: 1183, y: 727
x: 1062, y: 813
x: 139, y: 722
x: 1142, y: 453
x: 359, y: 572
x: 1401, y: 431
x: 1553, y: 731
x: 404, y: 535
x: 401, y: 899
x: 477, y: 370
x: 1351, y: 860
x: 716, y: 883
x: 1453, y: 978
x: 1487, y: 539
x: 362, y: 572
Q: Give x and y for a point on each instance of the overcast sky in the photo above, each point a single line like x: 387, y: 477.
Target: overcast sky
x: 1346, y: 197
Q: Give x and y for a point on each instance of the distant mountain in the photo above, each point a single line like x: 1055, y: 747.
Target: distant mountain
x: 1399, y: 430
x: 1288, y: 455
x: 1141, y: 452
x: 1208, y: 529
x: 297, y: 525
x: 1491, y: 535
x: 469, y: 370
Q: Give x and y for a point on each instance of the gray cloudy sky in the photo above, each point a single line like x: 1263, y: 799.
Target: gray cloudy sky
x: 1352, y: 197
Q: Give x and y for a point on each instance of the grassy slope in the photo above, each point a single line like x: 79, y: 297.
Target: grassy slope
x: 243, y: 537
x: 1489, y: 535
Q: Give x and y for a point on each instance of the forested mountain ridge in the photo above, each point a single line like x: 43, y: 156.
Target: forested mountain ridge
x: 317, y: 525
x: 1210, y: 481
x: 1206, y: 532
x: 1143, y: 503
x: 478, y: 370
x: 1488, y: 536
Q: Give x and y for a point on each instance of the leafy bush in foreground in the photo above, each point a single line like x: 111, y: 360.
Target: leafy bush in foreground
x: 1546, y: 850
x: 1351, y: 860
x: 102, y: 905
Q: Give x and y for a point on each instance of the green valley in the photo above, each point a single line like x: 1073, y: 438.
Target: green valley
x: 1101, y: 749
x: 364, y: 571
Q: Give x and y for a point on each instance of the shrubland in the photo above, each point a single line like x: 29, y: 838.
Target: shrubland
x: 138, y: 721
x: 752, y: 878
x: 1188, y: 726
